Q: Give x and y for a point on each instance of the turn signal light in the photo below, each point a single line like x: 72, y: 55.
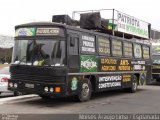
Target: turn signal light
x: 57, y: 89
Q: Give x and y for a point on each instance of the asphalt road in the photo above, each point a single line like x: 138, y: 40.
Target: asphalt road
x: 4, y: 95
x: 145, y: 100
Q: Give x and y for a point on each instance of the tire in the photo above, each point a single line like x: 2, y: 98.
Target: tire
x: 134, y: 86
x: 85, y: 90
x: 16, y: 93
x: 0, y: 93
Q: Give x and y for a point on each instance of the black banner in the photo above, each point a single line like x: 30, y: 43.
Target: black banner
x: 80, y: 116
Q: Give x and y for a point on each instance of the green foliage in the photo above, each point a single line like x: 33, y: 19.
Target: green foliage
x: 5, y: 55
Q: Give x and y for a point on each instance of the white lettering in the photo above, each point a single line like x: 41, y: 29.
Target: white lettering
x: 110, y: 84
x: 128, y: 20
x: 141, y: 62
x: 88, y: 49
x: 89, y: 44
x: 88, y: 38
x: 110, y: 78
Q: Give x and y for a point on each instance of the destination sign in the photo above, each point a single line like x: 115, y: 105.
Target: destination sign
x: 32, y: 31
x: 48, y: 31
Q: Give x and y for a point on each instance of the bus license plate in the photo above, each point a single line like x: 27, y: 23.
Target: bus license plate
x: 29, y: 85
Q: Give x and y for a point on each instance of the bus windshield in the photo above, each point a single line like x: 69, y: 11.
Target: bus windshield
x: 39, y: 52
x: 156, y: 59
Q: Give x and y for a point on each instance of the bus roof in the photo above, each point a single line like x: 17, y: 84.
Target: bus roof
x: 77, y: 28
x: 39, y: 24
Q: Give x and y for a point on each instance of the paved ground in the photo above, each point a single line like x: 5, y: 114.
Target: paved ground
x: 4, y: 95
x: 146, y: 100
x: 3, y: 65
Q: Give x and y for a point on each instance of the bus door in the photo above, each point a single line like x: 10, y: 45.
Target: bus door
x: 73, y: 54
x: 73, y: 63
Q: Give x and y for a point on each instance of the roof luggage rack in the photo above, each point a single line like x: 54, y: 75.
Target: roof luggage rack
x: 113, y: 22
x: 108, y: 21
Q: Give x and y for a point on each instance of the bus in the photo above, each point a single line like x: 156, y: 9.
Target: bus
x: 156, y: 61
x: 58, y: 60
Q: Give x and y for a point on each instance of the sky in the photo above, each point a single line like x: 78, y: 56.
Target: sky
x: 14, y: 12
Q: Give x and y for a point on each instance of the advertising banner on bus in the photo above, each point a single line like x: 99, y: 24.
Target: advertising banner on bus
x: 131, y: 25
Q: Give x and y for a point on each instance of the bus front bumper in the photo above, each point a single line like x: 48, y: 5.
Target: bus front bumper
x: 28, y: 87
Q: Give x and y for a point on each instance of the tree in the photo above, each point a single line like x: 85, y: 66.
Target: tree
x: 5, y: 55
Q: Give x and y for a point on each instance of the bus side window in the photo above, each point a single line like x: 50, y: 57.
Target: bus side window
x: 116, y: 48
x: 73, y: 49
x: 146, y: 53
x: 127, y: 49
x: 137, y: 51
x: 103, y: 46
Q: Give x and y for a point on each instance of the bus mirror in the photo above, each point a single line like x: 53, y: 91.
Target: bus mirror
x: 72, y: 42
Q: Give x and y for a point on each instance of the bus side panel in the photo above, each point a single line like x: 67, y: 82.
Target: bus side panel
x: 113, y: 81
x: 118, y: 73
x: 149, y: 72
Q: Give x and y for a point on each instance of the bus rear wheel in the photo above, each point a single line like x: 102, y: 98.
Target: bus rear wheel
x: 134, y: 86
x: 85, y: 90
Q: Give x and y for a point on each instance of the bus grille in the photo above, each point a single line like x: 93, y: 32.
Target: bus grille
x: 37, y: 78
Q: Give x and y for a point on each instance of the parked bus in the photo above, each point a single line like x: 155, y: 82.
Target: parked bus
x: 156, y: 61
x: 57, y: 60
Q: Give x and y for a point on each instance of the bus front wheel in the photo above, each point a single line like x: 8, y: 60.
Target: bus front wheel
x: 85, y: 90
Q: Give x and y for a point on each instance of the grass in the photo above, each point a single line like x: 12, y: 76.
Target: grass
x: 3, y: 65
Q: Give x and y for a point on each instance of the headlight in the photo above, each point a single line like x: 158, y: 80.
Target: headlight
x: 51, y: 89
x: 10, y: 84
x: 15, y: 85
x: 46, y: 89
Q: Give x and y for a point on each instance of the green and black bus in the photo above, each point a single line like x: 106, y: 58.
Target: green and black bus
x: 58, y: 60
x: 156, y: 61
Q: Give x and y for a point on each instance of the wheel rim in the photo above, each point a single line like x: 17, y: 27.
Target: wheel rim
x: 135, y: 85
x: 85, y: 89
